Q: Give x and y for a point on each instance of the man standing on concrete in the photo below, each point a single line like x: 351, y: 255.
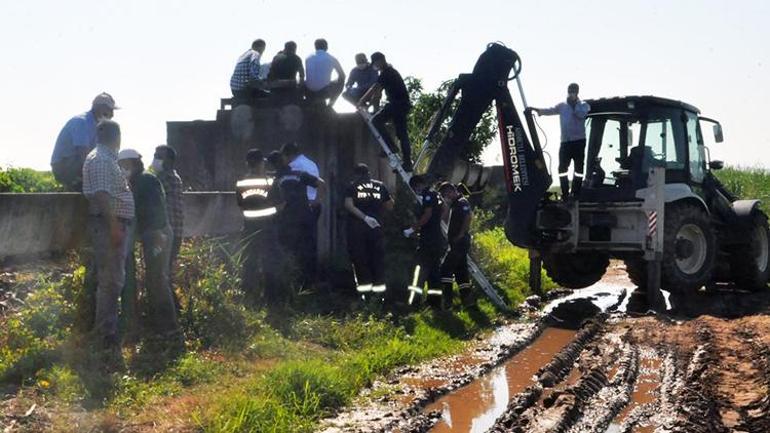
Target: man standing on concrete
x: 110, y: 213
x: 287, y: 65
x: 76, y: 139
x: 455, y: 264
x: 362, y: 77
x: 396, y: 110
x: 319, y: 66
x: 431, y: 245
x: 245, y: 82
x: 300, y: 163
x: 162, y: 166
x: 572, y: 116
x: 365, y: 199
x: 261, y: 254
x: 155, y: 234
x: 294, y: 217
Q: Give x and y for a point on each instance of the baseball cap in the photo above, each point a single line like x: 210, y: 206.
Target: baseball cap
x: 128, y: 154
x: 105, y: 99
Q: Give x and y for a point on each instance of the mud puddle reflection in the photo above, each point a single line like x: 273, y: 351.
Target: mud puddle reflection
x: 475, y: 407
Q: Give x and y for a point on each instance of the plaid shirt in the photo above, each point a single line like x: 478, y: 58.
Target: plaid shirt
x: 246, y: 69
x: 172, y: 184
x: 102, y: 173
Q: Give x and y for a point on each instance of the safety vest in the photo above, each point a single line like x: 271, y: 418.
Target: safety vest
x: 252, y: 194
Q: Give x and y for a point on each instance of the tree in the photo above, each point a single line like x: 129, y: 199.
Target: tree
x: 425, y: 105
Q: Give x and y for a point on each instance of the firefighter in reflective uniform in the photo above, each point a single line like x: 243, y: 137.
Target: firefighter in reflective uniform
x: 258, y: 227
x: 295, y: 219
x: 455, y: 264
x: 431, y: 245
x: 365, y: 198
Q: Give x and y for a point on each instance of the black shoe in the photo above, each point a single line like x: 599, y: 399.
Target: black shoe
x: 407, y: 166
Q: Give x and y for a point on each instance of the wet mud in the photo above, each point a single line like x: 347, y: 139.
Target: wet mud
x: 616, y: 374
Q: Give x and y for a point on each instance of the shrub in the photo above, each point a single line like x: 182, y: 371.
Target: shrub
x: 27, y: 180
x: 506, y: 265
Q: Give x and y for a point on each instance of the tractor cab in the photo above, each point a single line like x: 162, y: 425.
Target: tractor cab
x: 626, y: 136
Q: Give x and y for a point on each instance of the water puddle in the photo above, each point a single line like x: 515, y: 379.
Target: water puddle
x: 475, y: 407
x: 644, y: 391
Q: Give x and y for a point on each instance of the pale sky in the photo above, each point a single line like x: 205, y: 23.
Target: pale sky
x: 172, y: 59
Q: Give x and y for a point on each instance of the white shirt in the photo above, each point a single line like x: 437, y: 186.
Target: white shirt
x: 303, y: 163
x: 318, y: 70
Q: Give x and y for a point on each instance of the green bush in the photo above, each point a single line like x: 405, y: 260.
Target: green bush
x: 506, y: 265
x: 30, y: 339
x: 27, y: 180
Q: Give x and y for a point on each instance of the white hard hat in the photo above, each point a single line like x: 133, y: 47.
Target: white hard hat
x: 128, y: 154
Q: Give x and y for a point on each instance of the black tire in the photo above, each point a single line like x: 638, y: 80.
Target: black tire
x: 750, y: 263
x: 689, y: 249
x: 576, y: 271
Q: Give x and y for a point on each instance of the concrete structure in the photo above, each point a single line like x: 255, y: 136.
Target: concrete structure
x: 211, y: 159
x: 33, y: 224
x: 211, y: 153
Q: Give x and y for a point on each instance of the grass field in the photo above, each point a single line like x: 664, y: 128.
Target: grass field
x: 747, y: 183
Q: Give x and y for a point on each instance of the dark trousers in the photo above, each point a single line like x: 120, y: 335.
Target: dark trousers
x: 331, y: 92
x: 397, y: 113
x: 294, y: 238
x: 429, y: 256
x: 455, y: 268
x: 572, y: 151
x: 68, y: 172
x: 261, y: 265
x: 366, y: 247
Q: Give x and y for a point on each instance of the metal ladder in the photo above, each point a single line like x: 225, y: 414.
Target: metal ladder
x: 395, y: 163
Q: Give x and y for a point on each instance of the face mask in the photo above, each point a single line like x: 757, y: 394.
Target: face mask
x: 157, y: 165
x: 126, y: 172
x: 362, y: 66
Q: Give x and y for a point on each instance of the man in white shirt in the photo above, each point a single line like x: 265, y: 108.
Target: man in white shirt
x: 301, y: 163
x: 318, y: 69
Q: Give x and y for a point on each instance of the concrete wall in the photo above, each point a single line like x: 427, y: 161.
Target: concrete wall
x: 211, y: 153
x: 211, y: 158
x: 33, y: 224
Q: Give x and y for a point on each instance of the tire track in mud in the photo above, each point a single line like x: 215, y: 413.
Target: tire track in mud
x: 755, y: 414
x: 566, y: 403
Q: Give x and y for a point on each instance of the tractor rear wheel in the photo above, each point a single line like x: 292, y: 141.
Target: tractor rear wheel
x: 689, y: 249
x: 576, y: 271
x: 750, y: 263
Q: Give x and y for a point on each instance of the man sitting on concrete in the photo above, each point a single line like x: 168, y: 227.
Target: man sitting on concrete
x: 319, y: 66
x: 155, y: 234
x: 287, y: 65
x: 76, y: 139
x: 245, y: 82
x: 110, y: 214
x: 361, y: 78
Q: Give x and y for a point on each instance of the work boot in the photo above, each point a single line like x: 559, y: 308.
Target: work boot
x: 564, y: 188
x: 577, y: 183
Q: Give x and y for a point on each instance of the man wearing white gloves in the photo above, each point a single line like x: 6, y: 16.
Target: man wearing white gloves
x: 365, y: 198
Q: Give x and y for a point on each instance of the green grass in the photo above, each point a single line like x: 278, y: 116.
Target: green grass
x: 289, y: 374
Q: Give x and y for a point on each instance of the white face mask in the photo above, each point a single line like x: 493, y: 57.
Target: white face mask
x: 157, y: 165
x: 126, y: 172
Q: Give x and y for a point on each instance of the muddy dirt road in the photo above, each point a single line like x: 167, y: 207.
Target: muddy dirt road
x: 709, y: 373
